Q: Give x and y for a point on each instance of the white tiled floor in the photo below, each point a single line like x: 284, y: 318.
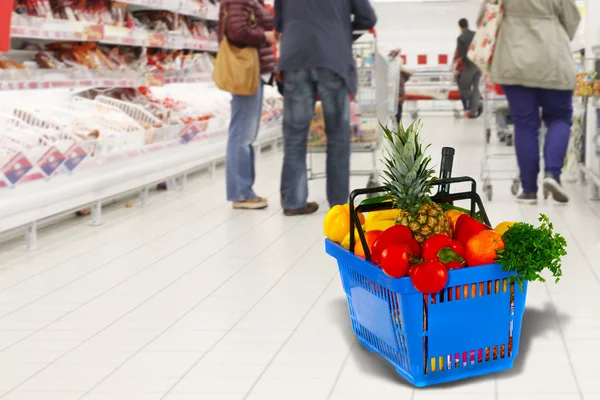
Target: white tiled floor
x: 188, y: 299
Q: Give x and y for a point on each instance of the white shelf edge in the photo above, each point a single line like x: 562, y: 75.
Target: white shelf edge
x: 39, y: 200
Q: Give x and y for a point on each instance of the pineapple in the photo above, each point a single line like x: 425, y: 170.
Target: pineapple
x: 408, y: 178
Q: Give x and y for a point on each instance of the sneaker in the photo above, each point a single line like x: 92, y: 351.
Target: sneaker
x: 552, y: 186
x: 309, y: 208
x: 257, y: 203
x: 527, y: 198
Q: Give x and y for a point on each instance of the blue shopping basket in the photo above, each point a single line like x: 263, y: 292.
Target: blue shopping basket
x: 470, y: 328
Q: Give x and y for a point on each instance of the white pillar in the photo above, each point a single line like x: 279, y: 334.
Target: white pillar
x: 592, y: 49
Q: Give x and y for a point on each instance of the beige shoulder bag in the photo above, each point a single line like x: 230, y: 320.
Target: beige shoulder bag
x: 237, y: 70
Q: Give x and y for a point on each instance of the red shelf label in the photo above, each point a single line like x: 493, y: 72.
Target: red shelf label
x: 16, y: 168
x: 51, y: 160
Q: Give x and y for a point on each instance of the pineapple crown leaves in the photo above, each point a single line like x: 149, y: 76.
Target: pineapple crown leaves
x: 408, y: 175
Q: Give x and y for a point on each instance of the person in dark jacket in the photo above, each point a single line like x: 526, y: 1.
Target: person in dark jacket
x: 316, y: 57
x: 235, y: 22
x: 404, y: 77
x: 468, y: 75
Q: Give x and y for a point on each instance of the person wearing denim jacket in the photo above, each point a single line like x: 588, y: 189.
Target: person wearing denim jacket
x: 316, y: 59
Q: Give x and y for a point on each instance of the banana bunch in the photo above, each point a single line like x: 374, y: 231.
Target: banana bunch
x: 375, y: 221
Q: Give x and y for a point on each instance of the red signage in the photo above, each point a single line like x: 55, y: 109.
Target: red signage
x: 6, y: 9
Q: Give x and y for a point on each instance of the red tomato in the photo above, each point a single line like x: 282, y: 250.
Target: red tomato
x: 414, y: 246
x: 429, y: 277
x: 370, y: 238
x: 395, y: 234
x: 395, y: 260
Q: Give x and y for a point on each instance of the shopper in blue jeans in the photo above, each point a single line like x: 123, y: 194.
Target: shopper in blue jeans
x: 248, y: 24
x: 533, y: 63
x: 316, y: 58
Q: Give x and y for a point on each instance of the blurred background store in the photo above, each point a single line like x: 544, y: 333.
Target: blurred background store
x: 124, y: 273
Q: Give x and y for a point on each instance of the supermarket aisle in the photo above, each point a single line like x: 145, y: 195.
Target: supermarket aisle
x: 188, y: 299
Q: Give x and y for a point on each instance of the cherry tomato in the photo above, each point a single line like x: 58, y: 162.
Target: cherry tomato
x: 429, y: 277
x: 395, y: 260
x: 395, y: 234
x: 370, y: 238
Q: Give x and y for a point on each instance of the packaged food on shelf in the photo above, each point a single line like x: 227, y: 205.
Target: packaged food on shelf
x: 585, y: 84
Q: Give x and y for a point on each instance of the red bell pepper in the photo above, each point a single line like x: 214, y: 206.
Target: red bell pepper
x: 466, y: 227
x: 446, y: 250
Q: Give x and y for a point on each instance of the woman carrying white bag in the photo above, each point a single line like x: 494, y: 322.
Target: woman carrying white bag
x: 525, y: 46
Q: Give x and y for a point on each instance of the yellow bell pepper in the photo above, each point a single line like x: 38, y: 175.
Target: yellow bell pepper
x: 337, y: 223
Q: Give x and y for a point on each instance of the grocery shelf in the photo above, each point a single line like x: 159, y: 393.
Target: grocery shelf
x: 183, y: 7
x: 46, y: 79
x: 594, y: 179
x: 59, y: 30
x: 128, y: 172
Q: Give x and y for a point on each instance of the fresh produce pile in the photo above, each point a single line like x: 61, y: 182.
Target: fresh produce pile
x: 425, y: 241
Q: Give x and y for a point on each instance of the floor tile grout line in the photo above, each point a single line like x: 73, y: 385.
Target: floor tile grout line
x: 201, y: 301
x: 341, y: 370
x: 132, y: 276
x: 112, y: 240
x: 562, y: 337
x: 137, y: 213
x: 107, y: 243
x: 292, y: 333
x: 101, y: 266
x: 125, y: 314
x: 235, y: 215
x: 186, y: 373
x: 496, y: 392
x: 585, y: 258
x: 166, y: 199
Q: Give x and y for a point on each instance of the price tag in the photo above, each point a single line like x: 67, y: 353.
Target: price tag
x: 189, y: 132
x: 156, y: 40
x: 16, y: 168
x: 74, y: 156
x: 155, y: 79
x: 93, y: 33
x: 51, y: 160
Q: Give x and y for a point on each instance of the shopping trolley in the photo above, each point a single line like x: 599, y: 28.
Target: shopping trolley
x: 376, y: 101
x: 434, y: 87
x: 496, y: 118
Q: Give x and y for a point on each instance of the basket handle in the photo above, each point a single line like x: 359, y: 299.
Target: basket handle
x: 443, y: 196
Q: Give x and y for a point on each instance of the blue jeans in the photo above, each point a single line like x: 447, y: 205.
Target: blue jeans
x: 300, y: 91
x: 246, y: 114
x: 557, y: 114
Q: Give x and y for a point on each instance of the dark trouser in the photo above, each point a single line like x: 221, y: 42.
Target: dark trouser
x: 399, y: 113
x: 300, y: 91
x: 557, y: 114
x: 468, y: 85
x: 462, y: 97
